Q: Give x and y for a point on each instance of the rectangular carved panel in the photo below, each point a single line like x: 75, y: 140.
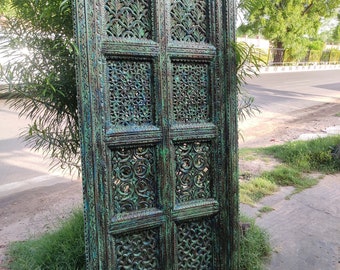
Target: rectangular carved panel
x: 191, y: 92
x: 189, y: 20
x: 195, y: 245
x: 193, y: 176
x: 131, y: 92
x: 138, y: 251
x: 132, y: 19
x: 134, y: 184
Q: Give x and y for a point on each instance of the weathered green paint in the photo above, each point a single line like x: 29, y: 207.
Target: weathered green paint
x: 157, y: 102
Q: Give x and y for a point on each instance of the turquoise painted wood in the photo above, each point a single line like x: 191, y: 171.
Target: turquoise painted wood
x: 157, y: 105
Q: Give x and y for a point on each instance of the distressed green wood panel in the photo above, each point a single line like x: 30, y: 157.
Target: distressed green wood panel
x: 157, y: 102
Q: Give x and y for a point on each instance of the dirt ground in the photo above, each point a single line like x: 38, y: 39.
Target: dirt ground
x: 266, y: 129
x: 36, y: 212
x: 41, y: 209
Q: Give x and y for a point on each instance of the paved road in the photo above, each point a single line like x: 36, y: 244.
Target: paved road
x: 20, y: 168
x: 285, y: 92
x: 304, y: 230
x: 285, y: 97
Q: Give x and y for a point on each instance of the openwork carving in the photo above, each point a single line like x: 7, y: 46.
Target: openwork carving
x: 129, y: 18
x: 138, y: 251
x: 189, y: 20
x: 191, y: 95
x: 194, y: 243
x: 130, y: 92
x: 134, y: 181
x: 192, y: 171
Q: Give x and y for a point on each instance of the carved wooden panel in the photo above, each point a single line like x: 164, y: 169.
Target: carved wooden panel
x: 191, y: 92
x: 129, y: 18
x: 189, y: 20
x: 193, y: 176
x: 195, y: 245
x: 138, y: 251
x: 159, y: 135
x: 131, y: 92
x: 134, y: 181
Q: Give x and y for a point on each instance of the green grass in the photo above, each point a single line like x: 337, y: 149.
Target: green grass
x: 254, y: 247
x: 287, y: 176
x: 266, y: 209
x: 60, y: 249
x: 298, y: 158
x: 255, y: 189
x: 308, y: 156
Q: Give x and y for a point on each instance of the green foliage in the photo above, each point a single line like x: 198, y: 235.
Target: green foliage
x: 254, y: 246
x: 42, y: 79
x: 307, y: 156
x: 317, y: 45
x: 314, y: 56
x: 255, y: 189
x: 336, y: 31
x: 5, y: 8
x: 299, y: 158
x: 334, y: 56
x: 287, y: 24
x: 336, y: 34
x: 248, y: 63
x: 61, y: 249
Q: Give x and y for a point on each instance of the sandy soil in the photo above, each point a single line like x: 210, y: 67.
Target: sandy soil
x: 31, y: 213
x: 266, y: 129
x: 41, y: 209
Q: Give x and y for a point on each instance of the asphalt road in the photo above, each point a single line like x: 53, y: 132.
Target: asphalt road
x: 21, y: 169
x: 283, y: 93
x: 287, y: 97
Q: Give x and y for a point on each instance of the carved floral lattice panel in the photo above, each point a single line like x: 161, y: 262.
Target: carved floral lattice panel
x: 191, y: 93
x: 189, y: 20
x: 193, y: 179
x: 131, y: 94
x: 133, y: 179
x: 129, y: 19
x: 138, y: 251
x: 194, y: 245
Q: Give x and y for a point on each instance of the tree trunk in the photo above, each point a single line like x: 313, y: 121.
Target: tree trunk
x: 278, y: 54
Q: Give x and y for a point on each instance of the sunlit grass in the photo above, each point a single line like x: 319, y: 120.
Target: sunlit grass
x: 266, y: 209
x: 308, y: 156
x: 287, y: 176
x: 298, y: 159
x: 255, y: 189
